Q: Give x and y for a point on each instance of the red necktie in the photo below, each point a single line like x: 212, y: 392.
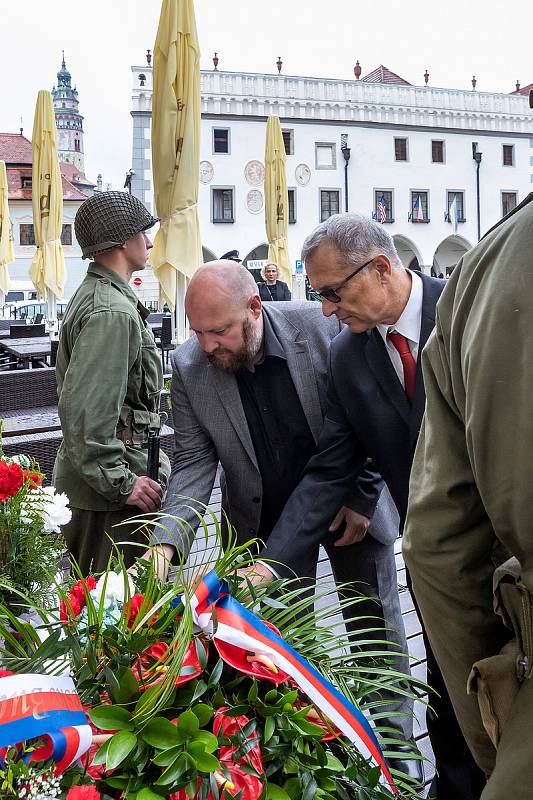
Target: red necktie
x: 408, y: 362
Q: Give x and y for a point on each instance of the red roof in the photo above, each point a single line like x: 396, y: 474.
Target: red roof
x: 15, y: 149
x: 73, y: 174
x: 16, y: 192
x: 525, y: 90
x: 383, y: 75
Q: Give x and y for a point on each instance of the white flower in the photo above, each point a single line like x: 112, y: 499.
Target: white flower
x: 114, y: 588
x: 47, y: 504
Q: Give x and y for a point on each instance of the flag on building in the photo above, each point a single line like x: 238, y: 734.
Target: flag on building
x: 454, y: 217
x: 418, y: 213
x: 382, y: 211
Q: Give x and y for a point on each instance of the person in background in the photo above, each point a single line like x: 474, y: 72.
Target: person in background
x: 109, y: 380
x: 272, y: 288
x: 231, y: 255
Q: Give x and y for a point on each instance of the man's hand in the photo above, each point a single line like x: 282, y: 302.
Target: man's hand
x: 162, y: 556
x: 146, y: 495
x: 356, y: 526
x: 258, y: 574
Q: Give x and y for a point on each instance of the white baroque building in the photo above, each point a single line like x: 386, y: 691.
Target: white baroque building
x: 412, y: 151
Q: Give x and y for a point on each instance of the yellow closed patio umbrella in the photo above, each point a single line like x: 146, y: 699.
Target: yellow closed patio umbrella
x: 277, y: 200
x: 7, y: 252
x: 47, y: 269
x: 176, y: 147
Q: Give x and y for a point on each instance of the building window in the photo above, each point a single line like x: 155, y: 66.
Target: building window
x: 508, y: 155
x: 222, y: 205
x: 325, y: 157
x: 330, y: 200
x: 77, y: 145
x: 292, y: 206
x: 66, y: 234
x: 437, y: 151
x: 419, y: 206
x: 509, y: 201
x: 25, y: 182
x: 400, y: 149
x: 288, y: 141
x: 459, y: 205
x: 27, y: 234
x: 220, y: 140
x: 383, y: 205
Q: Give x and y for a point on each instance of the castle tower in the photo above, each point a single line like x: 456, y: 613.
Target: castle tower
x: 69, y: 122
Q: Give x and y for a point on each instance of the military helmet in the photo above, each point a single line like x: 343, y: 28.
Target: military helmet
x: 108, y: 219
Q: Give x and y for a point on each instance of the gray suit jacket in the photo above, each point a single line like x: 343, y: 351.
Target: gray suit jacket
x: 210, y: 425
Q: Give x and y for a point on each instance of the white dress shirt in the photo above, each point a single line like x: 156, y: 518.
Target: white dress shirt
x: 408, y: 325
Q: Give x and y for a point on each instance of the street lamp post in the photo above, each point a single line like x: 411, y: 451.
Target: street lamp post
x: 129, y: 176
x: 346, y: 152
x: 477, y: 156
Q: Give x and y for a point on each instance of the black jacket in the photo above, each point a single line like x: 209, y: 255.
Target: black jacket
x: 367, y: 415
x: 284, y: 293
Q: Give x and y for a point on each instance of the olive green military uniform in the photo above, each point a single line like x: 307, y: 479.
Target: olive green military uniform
x: 109, y: 379
x: 471, y: 491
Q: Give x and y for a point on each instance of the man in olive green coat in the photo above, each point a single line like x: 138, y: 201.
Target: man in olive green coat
x: 109, y: 379
x: 471, y: 490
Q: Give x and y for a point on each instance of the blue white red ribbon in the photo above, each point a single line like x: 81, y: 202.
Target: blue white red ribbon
x: 39, y: 706
x: 238, y: 626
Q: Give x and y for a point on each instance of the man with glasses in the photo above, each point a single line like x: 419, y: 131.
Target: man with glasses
x: 375, y: 405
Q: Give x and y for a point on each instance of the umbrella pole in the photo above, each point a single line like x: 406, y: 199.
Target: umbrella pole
x: 180, y: 320
x: 51, y: 311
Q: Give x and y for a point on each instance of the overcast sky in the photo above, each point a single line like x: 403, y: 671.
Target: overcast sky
x: 453, y: 39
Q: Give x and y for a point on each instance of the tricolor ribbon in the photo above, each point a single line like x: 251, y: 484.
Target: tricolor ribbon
x: 38, y: 706
x: 239, y: 627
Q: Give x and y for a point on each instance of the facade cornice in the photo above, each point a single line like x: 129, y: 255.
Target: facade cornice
x: 322, y: 99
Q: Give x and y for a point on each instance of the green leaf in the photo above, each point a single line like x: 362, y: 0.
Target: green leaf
x: 180, y: 766
x: 101, y: 754
x: 111, y: 718
x: 200, y: 689
x: 166, y: 757
x: 148, y: 794
x: 160, y: 733
x: 208, y: 740
x: 271, y: 603
x: 253, y: 692
x: 205, y: 762
x: 188, y: 724
x: 120, y: 746
x: 214, y: 678
x: 293, y: 787
x: 275, y: 792
x: 200, y: 653
x: 203, y: 712
x: 270, y: 726
x: 271, y: 696
x: 309, y: 728
x: 128, y: 686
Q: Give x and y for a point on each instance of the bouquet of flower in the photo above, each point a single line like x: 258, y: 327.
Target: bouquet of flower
x: 194, y: 695
x: 30, y: 520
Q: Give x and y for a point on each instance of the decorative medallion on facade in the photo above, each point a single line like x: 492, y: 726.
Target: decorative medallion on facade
x: 302, y: 173
x: 254, y: 201
x: 254, y: 173
x: 207, y: 172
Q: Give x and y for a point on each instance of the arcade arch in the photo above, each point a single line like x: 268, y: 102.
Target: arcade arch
x: 448, y: 253
x: 408, y: 252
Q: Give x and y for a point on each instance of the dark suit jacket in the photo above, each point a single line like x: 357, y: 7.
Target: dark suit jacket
x: 367, y: 415
x: 284, y: 293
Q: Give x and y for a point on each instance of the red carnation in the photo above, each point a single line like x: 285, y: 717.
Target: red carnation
x: 132, y: 608
x: 77, y: 598
x: 33, y: 479
x: 83, y: 793
x: 11, y: 479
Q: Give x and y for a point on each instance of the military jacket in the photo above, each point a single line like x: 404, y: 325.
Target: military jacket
x: 109, y: 378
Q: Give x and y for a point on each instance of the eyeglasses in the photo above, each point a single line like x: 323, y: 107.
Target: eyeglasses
x: 333, y: 294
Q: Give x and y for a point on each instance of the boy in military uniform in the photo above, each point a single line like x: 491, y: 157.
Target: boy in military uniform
x: 109, y: 379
